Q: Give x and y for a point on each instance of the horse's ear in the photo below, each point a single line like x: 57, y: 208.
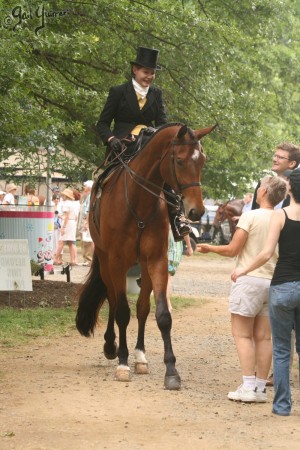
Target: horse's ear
x: 182, y: 131
x: 201, y: 133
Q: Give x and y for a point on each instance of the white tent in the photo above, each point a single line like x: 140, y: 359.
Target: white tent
x: 39, y: 168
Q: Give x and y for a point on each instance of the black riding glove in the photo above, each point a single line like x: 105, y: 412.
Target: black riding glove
x: 115, y: 145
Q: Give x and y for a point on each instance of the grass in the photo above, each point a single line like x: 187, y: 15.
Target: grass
x: 178, y: 302
x: 21, y: 326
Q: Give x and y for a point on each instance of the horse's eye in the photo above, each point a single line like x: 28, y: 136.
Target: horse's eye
x: 179, y: 162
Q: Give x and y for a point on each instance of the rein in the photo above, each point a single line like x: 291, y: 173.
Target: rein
x: 138, y: 179
x: 140, y: 223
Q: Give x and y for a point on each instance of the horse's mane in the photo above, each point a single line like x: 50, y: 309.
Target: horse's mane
x: 168, y: 125
x: 171, y: 124
x: 175, y: 124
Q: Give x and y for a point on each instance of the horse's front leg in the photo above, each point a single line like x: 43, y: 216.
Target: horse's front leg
x: 142, y: 312
x: 164, y: 322
x: 122, y: 319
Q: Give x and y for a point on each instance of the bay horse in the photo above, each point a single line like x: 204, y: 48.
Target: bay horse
x: 228, y: 211
x: 129, y: 224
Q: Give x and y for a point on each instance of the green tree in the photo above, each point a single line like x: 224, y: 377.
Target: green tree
x: 223, y: 62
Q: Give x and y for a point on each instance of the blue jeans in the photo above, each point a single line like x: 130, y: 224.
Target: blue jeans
x: 284, y: 307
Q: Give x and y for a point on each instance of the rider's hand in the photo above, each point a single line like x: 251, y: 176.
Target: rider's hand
x: 115, y: 145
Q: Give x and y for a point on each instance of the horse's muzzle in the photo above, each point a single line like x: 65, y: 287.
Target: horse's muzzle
x: 195, y: 214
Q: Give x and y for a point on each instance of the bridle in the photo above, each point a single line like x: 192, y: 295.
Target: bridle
x: 181, y: 187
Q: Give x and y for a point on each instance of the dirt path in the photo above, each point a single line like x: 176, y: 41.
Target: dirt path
x: 60, y: 394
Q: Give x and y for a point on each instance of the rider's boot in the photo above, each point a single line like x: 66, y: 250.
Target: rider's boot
x: 179, y: 224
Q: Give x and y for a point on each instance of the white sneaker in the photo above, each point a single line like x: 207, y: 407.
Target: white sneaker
x: 261, y: 396
x: 242, y: 394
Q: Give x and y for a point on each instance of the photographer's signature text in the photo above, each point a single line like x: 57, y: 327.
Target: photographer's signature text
x: 19, y: 17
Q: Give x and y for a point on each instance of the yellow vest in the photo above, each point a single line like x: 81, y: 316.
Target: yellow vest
x: 142, y: 102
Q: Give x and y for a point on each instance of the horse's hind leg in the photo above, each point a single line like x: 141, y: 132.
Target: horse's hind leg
x: 118, y: 311
x: 110, y: 348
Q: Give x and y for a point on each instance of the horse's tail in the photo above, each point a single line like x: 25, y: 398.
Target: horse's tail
x: 91, y: 297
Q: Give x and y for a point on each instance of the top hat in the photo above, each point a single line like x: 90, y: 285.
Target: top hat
x: 147, y: 57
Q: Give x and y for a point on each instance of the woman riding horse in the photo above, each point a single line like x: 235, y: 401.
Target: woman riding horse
x: 135, y: 106
x: 137, y: 231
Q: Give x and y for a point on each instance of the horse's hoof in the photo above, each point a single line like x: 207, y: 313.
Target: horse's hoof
x: 111, y: 355
x: 141, y: 368
x: 122, y: 373
x: 172, y: 382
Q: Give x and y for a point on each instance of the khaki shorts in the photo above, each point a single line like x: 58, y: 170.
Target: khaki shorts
x: 249, y: 296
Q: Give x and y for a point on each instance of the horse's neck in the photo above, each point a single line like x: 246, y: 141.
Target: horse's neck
x: 236, y: 202
x: 147, y: 163
x: 237, y: 206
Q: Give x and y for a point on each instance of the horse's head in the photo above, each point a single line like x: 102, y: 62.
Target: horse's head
x: 220, y: 215
x: 183, y: 170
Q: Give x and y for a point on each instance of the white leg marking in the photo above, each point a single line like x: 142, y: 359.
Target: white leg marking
x: 140, y: 357
x: 122, y: 373
x: 141, y: 364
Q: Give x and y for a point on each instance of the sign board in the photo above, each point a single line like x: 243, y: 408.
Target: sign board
x: 15, y: 270
x: 34, y: 223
